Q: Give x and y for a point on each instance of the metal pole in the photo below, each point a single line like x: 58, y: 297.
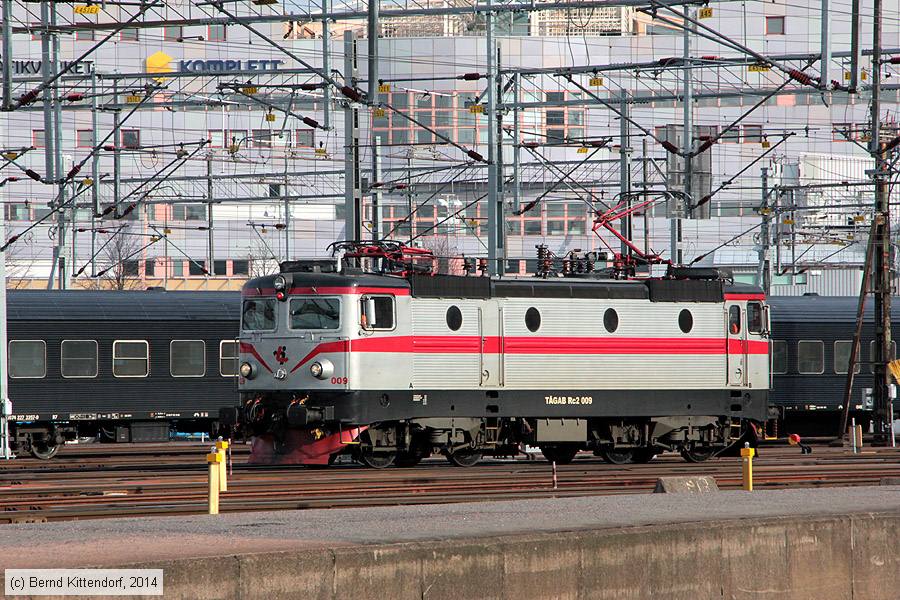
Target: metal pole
x: 372, y: 31
x: 854, y: 45
x: 351, y: 145
x: 495, y: 209
x: 376, y: 192
x: 95, y: 175
x: 825, y: 61
x: 117, y: 171
x: 5, y: 404
x: 326, y: 64
x: 687, y: 137
x: 762, y: 274
x: 7, y: 54
x: 64, y: 266
x: 883, y: 267
x: 517, y: 140
x: 625, y: 167
x: 209, y: 217
x: 47, y: 97
x: 646, y: 177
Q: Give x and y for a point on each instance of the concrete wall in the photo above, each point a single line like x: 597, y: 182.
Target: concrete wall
x: 797, y: 558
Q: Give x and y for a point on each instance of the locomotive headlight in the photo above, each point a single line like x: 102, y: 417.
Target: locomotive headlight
x: 246, y: 370
x: 321, y: 369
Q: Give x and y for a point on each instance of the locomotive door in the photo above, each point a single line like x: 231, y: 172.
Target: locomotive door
x: 490, y: 329
x: 736, y: 347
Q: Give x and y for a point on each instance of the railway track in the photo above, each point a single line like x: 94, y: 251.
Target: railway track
x: 173, y: 482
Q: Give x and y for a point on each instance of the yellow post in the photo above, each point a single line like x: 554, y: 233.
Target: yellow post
x: 214, y: 459
x: 858, y: 432
x: 747, y: 457
x: 221, y: 447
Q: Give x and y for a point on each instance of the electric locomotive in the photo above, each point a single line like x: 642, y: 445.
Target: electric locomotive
x: 393, y: 368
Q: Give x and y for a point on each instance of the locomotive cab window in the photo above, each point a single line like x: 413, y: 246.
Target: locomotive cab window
x: 734, y: 319
x: 78, y: 358
x: 755, y: 317
x: 842, y: 357
x: 315, y: 313
x: 27, y: 359
x: 810, y: 357
x: 228, y: 358
x: 779, y: 349
x: 258, y: 315
x: 131, y: 358
x: 187, y: 358
x: 376, y: 312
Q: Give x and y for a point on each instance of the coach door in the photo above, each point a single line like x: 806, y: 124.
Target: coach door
x: 490, y: 321
x: 737, y: 345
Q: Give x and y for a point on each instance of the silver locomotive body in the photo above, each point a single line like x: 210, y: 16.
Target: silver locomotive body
x: 396, y: 368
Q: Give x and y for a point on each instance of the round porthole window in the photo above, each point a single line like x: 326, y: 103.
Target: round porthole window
x: 532, y: 319
x: 454, y: 318
x: 611, y: 320
x: 685, y: 321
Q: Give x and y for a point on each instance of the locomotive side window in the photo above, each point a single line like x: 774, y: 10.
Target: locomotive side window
x: 611, y: 320
x: 842, y: 357
x: 228, y: 358
x: 685, y: 321
x: 810, y: 357
x: 754, y: 317
x: 872, y: 354
x: 454, y: 318
x: 27, y: 359
x: 377, y: 312
x: 187, y: 358
x: 78, y: 358
x: 779, y: 350
x: 532, y: 319
x: 315, y: 313
x: 258, y: 315
x: 734, y: 319
x: 131, y: 358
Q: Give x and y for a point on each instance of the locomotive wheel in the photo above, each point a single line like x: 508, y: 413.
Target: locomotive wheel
x: 561, y: 454
x: 464, y: 458
x: 44, y: 450
x: 697, y: 455
x: 618, y: 456
x: 381, y: 460
x: 643, y: 455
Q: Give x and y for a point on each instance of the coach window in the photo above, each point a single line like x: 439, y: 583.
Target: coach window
x: 315, y: 313
x: 810, y: 357
x: 754, y: 317
x: 734, y: 319
x: 532, y: 319
x: 872, y: 354
x: 381, y: 307
x: 779, y: 357
x: 454, y: 318
x: 27, y: 359
x: 611, y: 320
x: 685, y: 321
x: 78, y: 358
x: 228, y: 358
x: 258, y: 315
x: 842, y: 356
x: 187, y: 358
x: 131, y: 358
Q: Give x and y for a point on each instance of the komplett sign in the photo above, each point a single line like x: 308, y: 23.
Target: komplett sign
x: 160, y: 62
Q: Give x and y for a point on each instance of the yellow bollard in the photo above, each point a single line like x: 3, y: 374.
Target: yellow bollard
x: 214, y: 459
x: 747, y: 457
x: 221, y: 447
x: 858, y: 432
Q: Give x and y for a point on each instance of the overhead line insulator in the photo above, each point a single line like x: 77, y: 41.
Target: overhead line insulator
x: 350, y: 93
x: 470, y: 76
x: 33, y: 174
x: 670, y: 147
x: 798, y: 75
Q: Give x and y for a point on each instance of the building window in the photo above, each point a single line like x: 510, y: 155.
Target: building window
x: 306, y: 138
x: 131, y: 358
x: 262, y: 138
x: 131, y: 138
x: 37, y: 138
x: 177, y: 268
x: 130, y: 268
x: 84, y: 35
x: 17, y: 212
x: 78, y: 358
x: 189, y: 212
x: 187, y: 358
x: 274, y: 190
x: 197, y: 267
x: 217, y: 33
x: 129, y: 34
x: 216, y: 138
x: 84, y: 138
x: 27, y: 359
x: 810, y: 357
x: 220, y: 267
x: 149, y: 268
x: 774, y: 25
x: 753, y: 134
x: 228, y: 358
x: 240, y: 267
x: 173, y: 33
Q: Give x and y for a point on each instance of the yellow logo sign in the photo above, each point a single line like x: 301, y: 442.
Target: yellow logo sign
x: 158, y: 62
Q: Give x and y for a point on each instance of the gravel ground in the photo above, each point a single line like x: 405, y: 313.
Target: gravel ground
x: 122, y: 541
